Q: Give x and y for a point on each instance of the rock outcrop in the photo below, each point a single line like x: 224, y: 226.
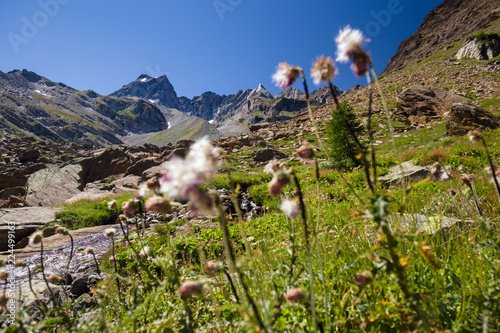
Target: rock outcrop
x: 480, y: 50
x: 447, y: 23
x: 50, y: 187
x: 419, y: 105
x: 465, y: 117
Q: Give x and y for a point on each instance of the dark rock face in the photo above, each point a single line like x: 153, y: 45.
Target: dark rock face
x: 83, y: 284
x: 142, y: 165
x: 267, y: 154
x: 422, y: 105
x: 111, y: 161
x: 323, y: 95
x: 146, y: 87
x: 447, y: 23
x: 465, y: 117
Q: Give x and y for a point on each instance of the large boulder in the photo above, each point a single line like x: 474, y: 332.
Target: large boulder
x: 10, y: 179
x: 142, y: 165
x: 50, y: 187
x: 267, y: 154
x: 407, y: 171
x: 103, y: 164
x: 422, y: 105
x: 25, y: 221
x: 465, y: 117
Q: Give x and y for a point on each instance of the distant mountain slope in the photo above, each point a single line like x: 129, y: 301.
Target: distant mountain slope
x: 447, y: 23
x: 32, y: 105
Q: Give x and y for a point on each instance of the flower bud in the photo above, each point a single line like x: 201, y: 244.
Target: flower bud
x: 62, y: 231
x: 54, y: 278
x: 190, y: 288
x: 305, y: 152
x: 213, y: 268
x: 362, y: 279
x: 475, y: 136
x: 129, y: 207
x: 276, y: 185
x: 89, y: 250
x: 4, y: 275
x: 112, y: 205
x: 295, y: 295
x: 36, y: 238
x: 109, y: 232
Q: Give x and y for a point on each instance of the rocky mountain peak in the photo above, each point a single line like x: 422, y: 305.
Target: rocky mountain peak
x: 158, y: 89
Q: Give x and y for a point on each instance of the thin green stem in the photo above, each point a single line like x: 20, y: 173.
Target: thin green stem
x: 303, y: 215
x: 492, y: 166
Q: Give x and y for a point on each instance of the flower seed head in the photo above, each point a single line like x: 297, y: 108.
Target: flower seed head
x: 4, y: 275
x: 305, y: 152
x: 89, y: 250
x: 62, y: 231
x: 123, y: 217
x: 350, y: 46
x: 436, y: 171
x: 109, y: 232
x: 276, y: 185
x: 323, y: 70
x: 190, y: 288
x: 112, y: 205
x: 291, y: 208
x: 128, y: 208
x: 286, y: 75
x: 295, y: 295
x: 54, y: 278
x: 153, y: 185
x: 2, y: 262
x: 475, y: 136
x: 213, y: 268
x: 36, y: 238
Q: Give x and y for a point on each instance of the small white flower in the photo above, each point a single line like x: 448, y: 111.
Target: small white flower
x: 291, y: 208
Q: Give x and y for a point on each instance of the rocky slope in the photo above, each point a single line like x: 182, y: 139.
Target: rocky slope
x: 32, y: 105
x: 447, y: 23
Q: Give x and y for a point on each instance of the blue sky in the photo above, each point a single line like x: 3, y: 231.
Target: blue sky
x: 201, y: 45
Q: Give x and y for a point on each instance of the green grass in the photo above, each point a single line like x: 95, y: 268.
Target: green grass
x: 87, y: 213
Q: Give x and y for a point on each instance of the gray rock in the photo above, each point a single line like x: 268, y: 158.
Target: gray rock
x: 407, y: 170
x: 142, y: 165
x: 465, y: 117
x: 267, y: 154
x: 473, y: 48
x: 82, y: 284
x: 50, y: 187
x: 26, y: 220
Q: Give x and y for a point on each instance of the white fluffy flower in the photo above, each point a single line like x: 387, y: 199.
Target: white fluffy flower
x: 291, y: 208
x: 350, y: 46
x: 184, y: 175
x: 286, y: 75
x: 323, y: 70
